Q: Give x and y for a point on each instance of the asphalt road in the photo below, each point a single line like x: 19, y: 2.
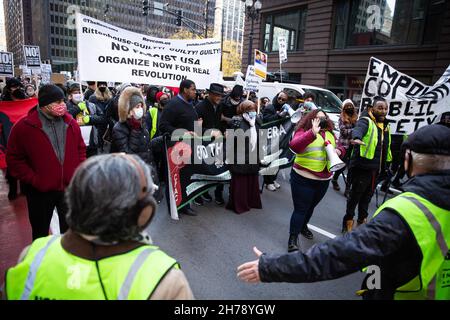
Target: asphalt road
x: 211, y: 245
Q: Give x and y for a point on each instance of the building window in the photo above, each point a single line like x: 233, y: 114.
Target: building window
x: 290, y: 24
x: 391, y: 22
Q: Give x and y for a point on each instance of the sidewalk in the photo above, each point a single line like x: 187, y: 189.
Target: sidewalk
x: 15, y: 229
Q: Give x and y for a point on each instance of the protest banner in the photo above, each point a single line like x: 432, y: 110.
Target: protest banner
x: 46, y: 73
x: 282, y: 49
x: 107, y: 52
x: 412, y: 104
x: 260, y: 64
x: 58, y: 78
x: 6, y: 64
x: 32, y: 56
x: 197, y: 165
x: 10, y: 113
x: 252, y: 81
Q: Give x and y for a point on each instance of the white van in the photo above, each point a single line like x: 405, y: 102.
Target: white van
x: 325, y: 99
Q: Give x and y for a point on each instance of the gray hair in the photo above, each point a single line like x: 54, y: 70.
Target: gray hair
x: 431, y: 162
x: 103, y: 195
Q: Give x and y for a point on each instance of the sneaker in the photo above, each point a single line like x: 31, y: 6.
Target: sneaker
x: 271, y: 187
x: 335, y: 185
x: 219, y: 200
x: 307, y: 233
x: 277, y: 185
x: 206, y: 197
x: 293, y: 243
x: 198, y: 201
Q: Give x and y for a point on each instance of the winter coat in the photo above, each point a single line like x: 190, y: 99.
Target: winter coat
x: 32, y: 159
x: 211, y: 117
x: 130, y: 140
x: 128, y: 137
x: 379, y: 160
x: 272, y: 111
x: 238, y: 122
x: 177, y: 114
x: 228, y: 110
x: 385, y: 241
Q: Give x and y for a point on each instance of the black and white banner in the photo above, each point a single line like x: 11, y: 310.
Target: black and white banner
x: 196, y: 165
x: 6, y: 64
x: 32, y: 56
x: 412, y: 104
x: 109, y: 53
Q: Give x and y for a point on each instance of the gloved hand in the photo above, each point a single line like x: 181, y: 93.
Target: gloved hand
x: 86, y: 119
x: 82, y: 106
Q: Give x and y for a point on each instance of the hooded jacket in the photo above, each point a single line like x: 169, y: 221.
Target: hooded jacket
x: 385, y: 241
x: 32, y: 159
x: 125, y: 137
x: 270, y: 112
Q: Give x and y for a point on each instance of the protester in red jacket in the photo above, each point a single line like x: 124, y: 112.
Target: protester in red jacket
x: 44, y: 149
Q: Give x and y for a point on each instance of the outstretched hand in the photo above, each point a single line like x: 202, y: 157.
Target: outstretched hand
x: 249, y: 272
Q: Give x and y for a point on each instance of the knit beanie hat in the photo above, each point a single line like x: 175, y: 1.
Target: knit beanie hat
x: 158, y: 95
x: 49, y: 93
x: 135, y: 100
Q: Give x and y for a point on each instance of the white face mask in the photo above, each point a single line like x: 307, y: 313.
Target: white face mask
x: 252, y: 114
x: 77, y: 97
x: 138, y: 113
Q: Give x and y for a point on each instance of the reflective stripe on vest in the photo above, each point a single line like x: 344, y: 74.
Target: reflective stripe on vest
x: 154, y: 114
x: 370, y: 140
x: 430, y: 226
x: 314, y: 157
x: 61, y: 275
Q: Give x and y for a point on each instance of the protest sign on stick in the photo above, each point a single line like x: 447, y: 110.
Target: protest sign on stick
x: 411, y: 103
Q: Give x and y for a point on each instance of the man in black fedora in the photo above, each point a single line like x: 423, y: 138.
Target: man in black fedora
x: 209, y: 112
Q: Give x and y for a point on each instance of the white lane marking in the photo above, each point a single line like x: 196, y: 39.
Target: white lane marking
x: 321, y: 231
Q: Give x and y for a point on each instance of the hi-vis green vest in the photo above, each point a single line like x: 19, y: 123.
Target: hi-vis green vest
x: 154, y: 114
x: 49, y: 272
x: 371, y: 140
x: 431, y: 228
x: 314, y: 157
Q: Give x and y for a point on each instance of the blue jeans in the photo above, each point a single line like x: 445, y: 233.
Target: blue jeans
x: 306, y: 195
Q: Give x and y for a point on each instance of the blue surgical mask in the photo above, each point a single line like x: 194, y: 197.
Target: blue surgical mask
x: 252, y: 114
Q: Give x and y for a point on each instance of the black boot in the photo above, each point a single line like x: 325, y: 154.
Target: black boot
x: 293, y: 243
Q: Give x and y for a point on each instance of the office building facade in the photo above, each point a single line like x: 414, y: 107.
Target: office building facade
x: 330, y: 42
x: 50, y: 24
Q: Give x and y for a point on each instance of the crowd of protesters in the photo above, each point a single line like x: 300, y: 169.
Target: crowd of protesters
x: 46, y: 146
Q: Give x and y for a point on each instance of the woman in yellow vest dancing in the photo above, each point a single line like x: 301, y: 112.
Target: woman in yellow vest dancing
x: 310, y: 176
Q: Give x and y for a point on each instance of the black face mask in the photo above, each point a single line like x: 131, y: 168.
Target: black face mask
x: 350, y: 112
x: 163, y: 102
x: 102, y: 89
x: 323, y: 123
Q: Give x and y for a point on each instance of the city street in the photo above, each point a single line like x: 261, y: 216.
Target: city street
x: 210, y: 246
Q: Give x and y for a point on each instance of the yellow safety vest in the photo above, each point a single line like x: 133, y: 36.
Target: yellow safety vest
x: 48, y: 272
x: 430, y: 226
x: 314, y: 157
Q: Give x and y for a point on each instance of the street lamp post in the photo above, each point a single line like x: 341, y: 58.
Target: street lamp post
x: 252, y: 10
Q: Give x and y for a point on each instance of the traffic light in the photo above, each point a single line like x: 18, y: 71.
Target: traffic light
x: 145, y: 7
x: 179, y: 16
